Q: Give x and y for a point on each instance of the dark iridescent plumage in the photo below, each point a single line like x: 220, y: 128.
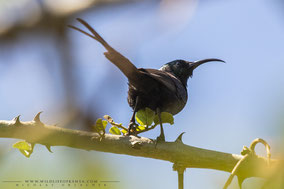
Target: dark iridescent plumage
x: 165, y: 88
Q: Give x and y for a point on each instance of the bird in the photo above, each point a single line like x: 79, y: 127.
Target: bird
x: 161, y: 90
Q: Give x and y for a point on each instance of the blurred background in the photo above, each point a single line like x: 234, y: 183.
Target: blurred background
x: 45, y: 66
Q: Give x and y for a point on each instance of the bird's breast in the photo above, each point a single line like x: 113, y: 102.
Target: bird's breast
x: 158, y: 96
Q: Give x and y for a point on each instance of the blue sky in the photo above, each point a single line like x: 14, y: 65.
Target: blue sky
x: 229, y: 104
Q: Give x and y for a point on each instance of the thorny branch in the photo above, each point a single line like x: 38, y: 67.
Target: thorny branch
x: 36, y: 132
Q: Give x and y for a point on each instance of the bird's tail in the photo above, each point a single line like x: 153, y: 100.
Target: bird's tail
x: 127, y: 68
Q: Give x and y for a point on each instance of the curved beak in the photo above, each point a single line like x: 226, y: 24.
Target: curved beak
x: 199, y: 62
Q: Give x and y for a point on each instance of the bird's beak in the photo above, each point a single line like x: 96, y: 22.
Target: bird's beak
x: 199, y: 62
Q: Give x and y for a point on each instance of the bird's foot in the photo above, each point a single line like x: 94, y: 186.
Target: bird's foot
x: 132, y: 128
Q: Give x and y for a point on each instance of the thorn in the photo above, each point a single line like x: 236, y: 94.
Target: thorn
x: 32, y: 145
x: 48, y: 148
x: 179, y: 138
x: 17, y: 120
x: 37, y: 118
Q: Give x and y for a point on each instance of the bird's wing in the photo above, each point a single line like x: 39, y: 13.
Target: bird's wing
x: 169, y: 81
x: 115, y: 57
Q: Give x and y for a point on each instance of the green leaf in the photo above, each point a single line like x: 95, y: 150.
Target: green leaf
x: 104, y: 123
x: 24, y: 147
x: 165, y: 117
x: 114, y: 130
x: 140, y: 128
x: 123, y: 131
x: 145, y: 116
x: 100, y: 125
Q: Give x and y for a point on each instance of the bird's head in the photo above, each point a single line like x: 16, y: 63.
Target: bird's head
x: 183, y: 69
